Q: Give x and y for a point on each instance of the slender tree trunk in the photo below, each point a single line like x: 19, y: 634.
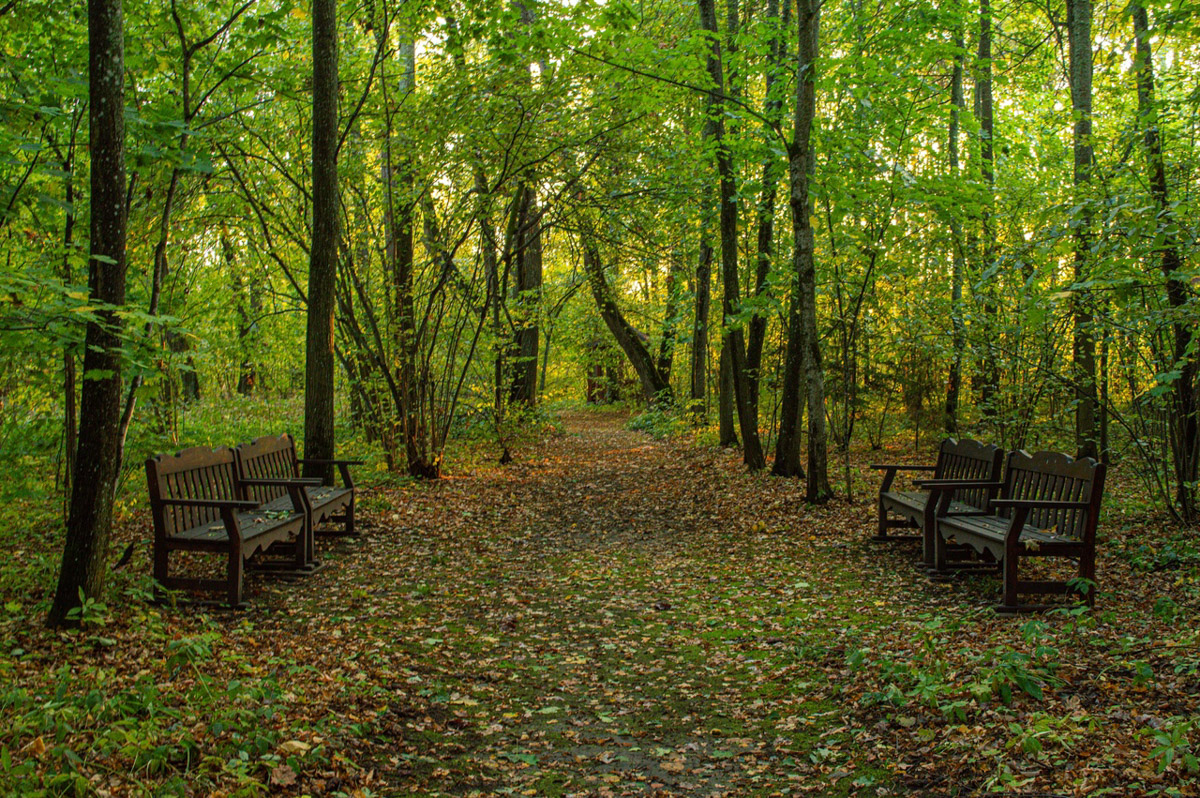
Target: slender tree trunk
x: 1184, y: 432
x: 70, y: 388
x: 322, y: 265
x: 772, y: 172
x: 958, y: 332
x: 699, y: 371
x: 734, y: 340
x: 529, y: 268
x: 528, y: 298
x: 803, y: 371
x: 89, y: 520
x: 726, y: 390
x: 666, y: 346
x: 1079, y: 26
x: 984, y: 112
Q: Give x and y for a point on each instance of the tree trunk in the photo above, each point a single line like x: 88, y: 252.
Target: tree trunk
x: 89, y: 520
x: 528, y: 299
x: 726, y: 403
x: 772, y: 171
x: 529, y: 269
x: 984, y: 112
x: 322, y: 264
x: 802, y: 369
x: 734, y: 339
x: 699, y: 383
x: 1087, y: 409
x: 958, y: 333
x: 70, y: 387
x: 1184, y: 434
x: 666, y: 346
x: 655, y: 387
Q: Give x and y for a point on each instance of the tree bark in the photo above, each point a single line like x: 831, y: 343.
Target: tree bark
x: 1185, y: 435
x: 1079, y: 28
x: 772, y: 172
x: 984, y: 112
x: 726, y: 404
x: 699, y: 371
x: 89, y: 520
x: 322, y: 265
x: 958, y: 332
x: 655, y: 387
x: 734, y: 340
x: 803, y: 371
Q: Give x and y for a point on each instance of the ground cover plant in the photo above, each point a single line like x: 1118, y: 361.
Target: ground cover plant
x: 611, y: 614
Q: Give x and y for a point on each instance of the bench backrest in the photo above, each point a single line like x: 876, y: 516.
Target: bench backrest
x: 970, y: 459
x: 196, y: 473
x: 269, y: 457
x: 1058, y: 477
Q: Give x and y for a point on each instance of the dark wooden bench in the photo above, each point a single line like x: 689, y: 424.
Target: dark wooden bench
x: 967, y: 460
x: 1048, y: 506
x: 268, y: 465
x: 198, y: 505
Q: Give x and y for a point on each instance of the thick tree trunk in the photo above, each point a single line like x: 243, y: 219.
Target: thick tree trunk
x: 89, y: 520
x: 655, y: 387
x: 958, y: 331
x: 1087, y: 406
x: 322, y: 265
x: 734, y: 340
x: 1185, y: 435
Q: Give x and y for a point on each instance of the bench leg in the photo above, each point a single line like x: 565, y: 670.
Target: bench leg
x: 160, y: 572
x: 350, y: 516
x: 234, y: 575
x: 1009, y: 566
x: 1087, y: 570
x: 881, y: 533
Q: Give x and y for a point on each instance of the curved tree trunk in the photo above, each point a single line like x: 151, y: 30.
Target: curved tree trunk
x: 655, y: 386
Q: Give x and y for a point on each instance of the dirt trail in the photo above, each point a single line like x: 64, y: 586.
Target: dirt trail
x: 598, y: 617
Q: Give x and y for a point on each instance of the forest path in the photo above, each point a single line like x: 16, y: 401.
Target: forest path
x: 612, y: 614
x: 608, y: 614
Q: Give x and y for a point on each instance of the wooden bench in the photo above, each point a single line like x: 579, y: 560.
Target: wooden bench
x: 1048, y: 506
x: 268, y: 465
x: 965, y: 460
x: 198, y: 505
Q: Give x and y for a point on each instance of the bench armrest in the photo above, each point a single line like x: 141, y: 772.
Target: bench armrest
x: 343, y: 467
x: 1041, y: 504
x: 219, y: 504
x: 956, y: 484
x: 282, y: 483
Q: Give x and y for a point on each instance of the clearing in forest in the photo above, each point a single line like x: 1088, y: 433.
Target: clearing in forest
x: 611, y: 615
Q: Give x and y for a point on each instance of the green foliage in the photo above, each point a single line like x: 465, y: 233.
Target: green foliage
x: 661, y: 422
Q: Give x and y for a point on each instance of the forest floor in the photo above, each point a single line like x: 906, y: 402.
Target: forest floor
x: 613, y: 614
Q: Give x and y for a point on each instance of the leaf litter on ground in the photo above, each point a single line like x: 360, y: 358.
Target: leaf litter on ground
x: 615, y: 615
